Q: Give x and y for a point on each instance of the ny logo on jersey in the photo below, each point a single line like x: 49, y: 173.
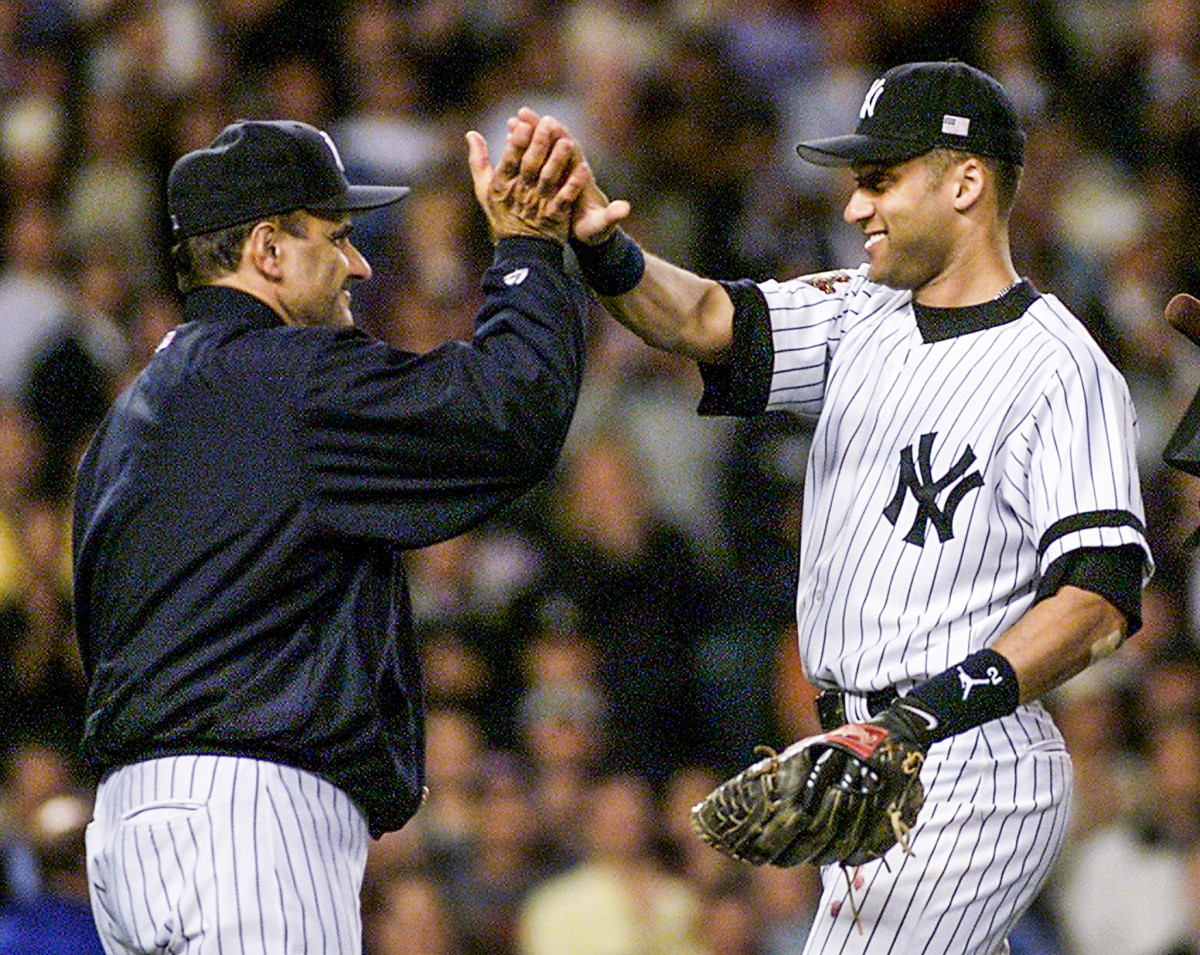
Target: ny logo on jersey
x: 926, y: 490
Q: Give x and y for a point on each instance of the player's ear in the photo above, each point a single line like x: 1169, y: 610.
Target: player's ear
x: 970, y: 178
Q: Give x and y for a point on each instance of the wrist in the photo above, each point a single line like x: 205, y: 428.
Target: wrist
x: 612, y: 267
x: 980, y: 689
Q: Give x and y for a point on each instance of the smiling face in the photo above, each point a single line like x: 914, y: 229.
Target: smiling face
x: 908, y: 215
x: 318, y: 264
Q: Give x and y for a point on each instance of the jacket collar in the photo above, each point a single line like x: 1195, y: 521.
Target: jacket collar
x: 939, y: 324
x: 219, y: 303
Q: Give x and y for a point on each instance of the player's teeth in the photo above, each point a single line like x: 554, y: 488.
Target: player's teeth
x: 874, y: 239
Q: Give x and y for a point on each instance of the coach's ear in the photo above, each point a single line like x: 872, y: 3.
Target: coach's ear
x: 262, y: 251
x: 969, y: 177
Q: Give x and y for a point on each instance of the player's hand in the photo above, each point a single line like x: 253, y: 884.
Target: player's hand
x: 594, y: 216
x: 534, y: 187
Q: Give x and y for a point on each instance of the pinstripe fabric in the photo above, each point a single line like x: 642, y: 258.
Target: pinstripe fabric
x: 1050, y: 426
x: 220, y: 855
x: 1021, y: 438
x: 995, y: 820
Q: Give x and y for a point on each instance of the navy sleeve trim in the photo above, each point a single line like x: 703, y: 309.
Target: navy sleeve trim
x: 742, y: 384
x: 1089, y: 519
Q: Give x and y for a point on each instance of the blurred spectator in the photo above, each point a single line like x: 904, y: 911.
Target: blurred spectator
x: 35, y: 128
x: 111, y: 194
x: 785, y: 900
x: 42, y: 689
x: 562, y: 728
x: 1092, y: 713
x: 453, y: 749
x: 688, y: 856
x: 407, y: 914
x: 507, y: 857
x: 729, y: 924
x: 621, y: 900
x: 35, y: 298
x: 644, y: 598
x: 32, y: 773
x: 58, y: 919
x: 1121, y: 889
x: 74, y: 376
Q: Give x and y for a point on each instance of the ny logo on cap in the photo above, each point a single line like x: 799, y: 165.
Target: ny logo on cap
x: 333, y: 149
x: 872, y: 97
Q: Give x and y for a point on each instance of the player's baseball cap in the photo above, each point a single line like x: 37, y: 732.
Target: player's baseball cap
x: 916, y: 107
x: 260, y: 168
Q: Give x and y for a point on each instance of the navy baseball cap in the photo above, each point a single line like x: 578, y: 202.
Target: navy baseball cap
x: 916, y: 107
x: 260, y: 168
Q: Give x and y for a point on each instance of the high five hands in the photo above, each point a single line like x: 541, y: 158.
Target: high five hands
x: 593, y: 216
x: 533, y: 189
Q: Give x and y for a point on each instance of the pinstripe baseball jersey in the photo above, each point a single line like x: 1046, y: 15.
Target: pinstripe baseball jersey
x: 957, y: 453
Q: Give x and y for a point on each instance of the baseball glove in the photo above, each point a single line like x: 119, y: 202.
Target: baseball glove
x: 846, y: 796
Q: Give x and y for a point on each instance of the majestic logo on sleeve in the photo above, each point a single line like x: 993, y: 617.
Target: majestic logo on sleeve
x: 919, y: 480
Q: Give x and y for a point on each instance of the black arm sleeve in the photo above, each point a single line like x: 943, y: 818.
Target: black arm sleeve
x: 742, y: 384
x: 1115, y: 573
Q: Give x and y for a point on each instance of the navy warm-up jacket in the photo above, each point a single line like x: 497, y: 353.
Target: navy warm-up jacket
x: 240, y: 518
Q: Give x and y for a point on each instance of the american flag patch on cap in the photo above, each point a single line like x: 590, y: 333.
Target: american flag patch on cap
x: 956, y: 125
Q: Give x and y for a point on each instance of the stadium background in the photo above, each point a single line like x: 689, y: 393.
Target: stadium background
x: 599, y: 656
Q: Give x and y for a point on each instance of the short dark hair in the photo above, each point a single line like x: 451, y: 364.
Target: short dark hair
x: 199, y: 259
x: 1006, y: 175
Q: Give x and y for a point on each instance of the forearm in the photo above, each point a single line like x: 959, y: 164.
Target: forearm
x: 1054, y: 640
x: 666, y: 306
x: 1058, y: 638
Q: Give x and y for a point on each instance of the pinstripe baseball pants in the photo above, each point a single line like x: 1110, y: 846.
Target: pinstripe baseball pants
x: 220, y: 855
x: 996, y: 812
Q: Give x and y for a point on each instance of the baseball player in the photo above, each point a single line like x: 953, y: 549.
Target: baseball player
x: 255, y: 705
x: 973, y: 532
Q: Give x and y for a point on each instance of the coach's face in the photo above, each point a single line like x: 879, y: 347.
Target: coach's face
x: 907, y: 214
x: 318, y: 269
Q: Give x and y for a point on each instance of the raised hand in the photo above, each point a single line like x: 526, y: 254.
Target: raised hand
x: 533, y: 189
x: 594, y: 216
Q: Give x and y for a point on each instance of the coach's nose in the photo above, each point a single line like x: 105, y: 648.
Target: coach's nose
x: 360, y: 268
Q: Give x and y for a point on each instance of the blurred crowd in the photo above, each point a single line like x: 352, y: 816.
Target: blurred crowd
x: 599, y: 656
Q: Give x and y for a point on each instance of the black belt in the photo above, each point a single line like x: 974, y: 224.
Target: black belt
x: 831, y: 705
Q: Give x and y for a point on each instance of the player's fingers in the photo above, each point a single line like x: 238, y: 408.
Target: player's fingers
x: 527, y: 115
x: 616, y: 210
x: 570, y: 191
x: 562, y: 159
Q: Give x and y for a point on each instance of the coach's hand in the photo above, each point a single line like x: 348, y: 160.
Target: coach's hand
x: 846, y: 796
x: 595, y: 216
x: 535, y: 185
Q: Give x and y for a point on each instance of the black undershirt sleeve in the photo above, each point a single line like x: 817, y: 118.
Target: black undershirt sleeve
x: 742, y: 384
x: 1115, y: 573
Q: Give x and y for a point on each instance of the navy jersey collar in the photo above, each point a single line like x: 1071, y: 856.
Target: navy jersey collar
x: 219, y: 303
x: 939, y: 324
